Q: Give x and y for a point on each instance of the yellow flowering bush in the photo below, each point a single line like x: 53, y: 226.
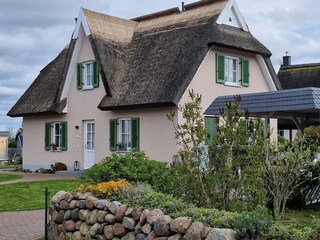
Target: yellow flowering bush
x: 104, y: 188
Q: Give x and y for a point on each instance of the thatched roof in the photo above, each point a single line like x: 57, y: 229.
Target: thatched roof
x: 147, y: 61
x: 301, y: 75
x: 43, y: 96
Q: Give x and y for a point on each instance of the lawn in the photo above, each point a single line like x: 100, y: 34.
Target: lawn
x: 8, y: 177
x: 30, y: 195
x: 5, y: 166
x: 302, y: 218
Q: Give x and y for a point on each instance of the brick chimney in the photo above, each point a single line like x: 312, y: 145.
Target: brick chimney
x: 286, y: 60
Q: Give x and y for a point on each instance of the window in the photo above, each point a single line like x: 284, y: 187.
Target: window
x: 124, y: 134
x: 87, y: 75
x: 56, y: 136
x: 232, y: 70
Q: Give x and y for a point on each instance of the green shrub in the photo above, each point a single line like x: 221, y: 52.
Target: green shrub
x: 210, y: 217
x: 252, y: 225
x: 135, y: 167
x: 143, y: 196
x: 281, y: 232
x: 59, y: 166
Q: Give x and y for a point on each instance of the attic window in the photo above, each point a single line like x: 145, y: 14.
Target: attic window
x: 87, y: 75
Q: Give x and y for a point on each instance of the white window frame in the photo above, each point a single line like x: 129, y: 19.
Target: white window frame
x: 88, y: 76
x: 56, y: 137
x: 230, y: 72
x: 124, y: 145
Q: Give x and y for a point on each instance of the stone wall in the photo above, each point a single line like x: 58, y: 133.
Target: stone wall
x: 83, y: 216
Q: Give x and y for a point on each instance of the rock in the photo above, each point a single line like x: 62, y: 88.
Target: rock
x: 83, y: 214
x: 129, y: 236
x: 162, y: 226
x: 141, y: 236
x: 58, y: 197
x: 77, y: 225
x: 136, y: 212
x: 75, y: 214
x: 51, y: 209
x: 161, y: 238
x: 84, y: 228
x: 83, y: 196
x: 53, y: 229
x: 77, y: 236
x: 73, y: 204
x: 137, y: 229
x: 180, y: 224
x: 70, y: 226
x: 143, y: 217
x: 101, y: 204
x: 100, y: 237
x: 64, y: 205
x: 62, y: 236
x: 69, y: 235
x: 110, y: 219
x: 108, y: 232
x: 118, y: 230
x: 120, y: 213
x: 60, y: 217
x: 101, y: 215
x: 82, y: 204
x: 67, y: 215
x: 154, y: 215
x: 113, y: 206
x: 205, y: 232
x: 221, y: 234
x: 147, y: 228
x: 177, y: 236
x: 128, y: 223
x: 90, y: 201
x: 151, y: 236
x: 128, y: 212
x: 95, y: 230
x: 62, y: 228
x: 194, y: 231
x: 93, y: 217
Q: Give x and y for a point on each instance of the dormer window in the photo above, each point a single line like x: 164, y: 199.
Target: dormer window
x: 232, y: 71
x: 87, y: 75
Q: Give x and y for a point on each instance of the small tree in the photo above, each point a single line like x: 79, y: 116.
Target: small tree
x: 191, y: 136
x: 286, y: 168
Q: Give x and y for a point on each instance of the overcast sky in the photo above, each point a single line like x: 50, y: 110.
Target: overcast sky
x: 33, y: 32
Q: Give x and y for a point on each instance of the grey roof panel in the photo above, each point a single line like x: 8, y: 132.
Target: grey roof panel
x: 281, y: 102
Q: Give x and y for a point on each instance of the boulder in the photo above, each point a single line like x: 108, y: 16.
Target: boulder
x: 180, y: 224
x: 67, y: 215
x: 108, y: 232
x: 75, y: 214
x: 194, y: 231
x: 73, y: 204
x: 205, y: 232
x: 60, y: 217
x: 128, y: 213
x: 101, y: 216
x: 121, y: 210
x: 147, y: 228
x: 153, y: 216
x: 64, y: 204
x: 90, y: 201
x: 109, y: 218
x: 128, y: 223
x: 118, y: 230
x: 70, y: 226
x: 77, y: 225
x: 221, y: 234
x: 53, y: 229
x: 136, y: 212
x: 141, y: 236
x: 101, y: 204
x: 143, y: 217
x: 77, y: 236
x: 177, y: 236
x: 113, y: 206
x: 83, y: 214
x: 162, y: 226
x: 93, y: 217
x: 129, y: 236
x: 84, y: 228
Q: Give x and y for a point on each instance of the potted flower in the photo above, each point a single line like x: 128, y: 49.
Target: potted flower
x: 54, y: 147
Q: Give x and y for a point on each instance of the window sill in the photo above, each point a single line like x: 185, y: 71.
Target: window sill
x: 58, y: 150
x: 87, y: 88
x: 229, y: 84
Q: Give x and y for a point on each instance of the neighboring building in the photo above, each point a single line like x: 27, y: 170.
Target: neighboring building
x: 296, y: 76
x: 4, y: 142
x: 111, y: 88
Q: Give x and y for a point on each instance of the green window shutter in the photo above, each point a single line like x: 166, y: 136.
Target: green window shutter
x: 210, y: 124
x: 64, y: 136
x: 245, y: 73
x: 219, y: 68
x: 113, y: 134
x: 47, y: 137
x: 135, y: 129
x: 79, y: 76
x: 95, y: 74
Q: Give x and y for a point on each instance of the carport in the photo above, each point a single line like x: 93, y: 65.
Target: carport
x: 301, y: 105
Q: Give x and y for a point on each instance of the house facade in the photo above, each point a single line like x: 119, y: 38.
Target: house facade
x: 111, y: 88
x: 4, y: 142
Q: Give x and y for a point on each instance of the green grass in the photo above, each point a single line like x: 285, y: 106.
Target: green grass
x: 8, y: 177
x: 5, y: 166
x: 30, y: 195
x: 302, y: 218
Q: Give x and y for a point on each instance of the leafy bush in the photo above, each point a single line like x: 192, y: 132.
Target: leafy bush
x: 150, y: 200
x: 105, y: 188
x: 135, y: 167
x: 210, y: 217
x: 281, y: 232
x: 59, y: 166
x: 252, y: 225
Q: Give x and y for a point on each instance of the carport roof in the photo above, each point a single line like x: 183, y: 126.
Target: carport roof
x: 299, y: 102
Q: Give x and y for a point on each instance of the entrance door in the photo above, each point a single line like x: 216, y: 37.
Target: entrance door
x: 89, y: 130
